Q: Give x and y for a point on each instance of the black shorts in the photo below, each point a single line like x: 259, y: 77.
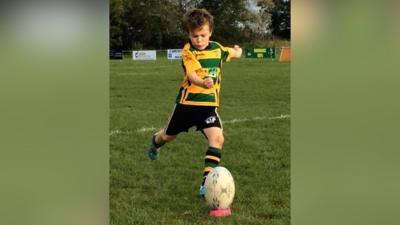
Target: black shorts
x: 186, y: 116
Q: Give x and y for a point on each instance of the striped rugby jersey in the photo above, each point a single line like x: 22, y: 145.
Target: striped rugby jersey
x: 206, y: 63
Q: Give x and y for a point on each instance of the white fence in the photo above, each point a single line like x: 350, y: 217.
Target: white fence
x: 170, y: 54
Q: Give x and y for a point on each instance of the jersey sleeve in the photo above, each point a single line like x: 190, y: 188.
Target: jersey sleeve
x: 226, y: 53
x: 190, y: 63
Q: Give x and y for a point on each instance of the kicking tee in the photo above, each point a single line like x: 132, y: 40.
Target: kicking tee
x: 206, y: 63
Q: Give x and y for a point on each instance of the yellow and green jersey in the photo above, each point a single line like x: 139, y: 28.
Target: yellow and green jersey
x: 206, y: 63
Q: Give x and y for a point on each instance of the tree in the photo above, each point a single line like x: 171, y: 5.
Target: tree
x: 139, y: 24
x: 276, y: 14
x: 281, y: 19
x: 136, y: 24
x: 116, y: 24
x: 231, y: 17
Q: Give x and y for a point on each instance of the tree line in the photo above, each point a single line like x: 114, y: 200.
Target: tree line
x: 156, y: 24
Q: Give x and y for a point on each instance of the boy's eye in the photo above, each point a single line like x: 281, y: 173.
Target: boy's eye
x: 196, y: 36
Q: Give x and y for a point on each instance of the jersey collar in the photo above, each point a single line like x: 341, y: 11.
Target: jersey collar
x: 206, y: 48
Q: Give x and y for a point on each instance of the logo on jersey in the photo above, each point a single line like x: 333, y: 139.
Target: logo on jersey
x: 211, y: 119
x: 213, y: 72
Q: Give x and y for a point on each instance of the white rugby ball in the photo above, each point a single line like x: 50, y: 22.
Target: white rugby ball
x: 220, y: 188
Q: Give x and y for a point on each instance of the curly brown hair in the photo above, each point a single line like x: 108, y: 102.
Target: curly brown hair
x: 196, y: 18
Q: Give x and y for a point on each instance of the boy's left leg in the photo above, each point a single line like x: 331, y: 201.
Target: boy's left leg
x: 212, y: 159
x: 215, y: 137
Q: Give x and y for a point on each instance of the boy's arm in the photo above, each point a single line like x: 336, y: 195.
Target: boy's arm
x: 206, y: 83
x: 237, y: 51
x: 191, y: 65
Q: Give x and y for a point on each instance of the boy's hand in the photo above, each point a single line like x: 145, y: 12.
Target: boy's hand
x: 208, y: 82
x: 238, y: 51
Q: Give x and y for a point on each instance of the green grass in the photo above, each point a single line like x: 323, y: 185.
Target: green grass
x: 256, y: 149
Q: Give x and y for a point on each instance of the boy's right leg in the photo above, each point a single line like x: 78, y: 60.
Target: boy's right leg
x: 158, y: 140
x: 174, y: 126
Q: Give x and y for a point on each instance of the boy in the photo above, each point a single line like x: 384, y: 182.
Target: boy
x: 198, y: 98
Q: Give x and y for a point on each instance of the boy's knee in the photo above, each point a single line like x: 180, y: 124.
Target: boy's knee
x: 217, y: 140
x: 221, y: 139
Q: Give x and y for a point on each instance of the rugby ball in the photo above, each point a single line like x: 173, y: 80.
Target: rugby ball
x: 220, y: 188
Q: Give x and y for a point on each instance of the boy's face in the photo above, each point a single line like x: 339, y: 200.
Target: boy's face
x: 200, y: 36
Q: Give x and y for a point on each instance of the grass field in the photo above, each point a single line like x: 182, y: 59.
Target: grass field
x: 255, y: 110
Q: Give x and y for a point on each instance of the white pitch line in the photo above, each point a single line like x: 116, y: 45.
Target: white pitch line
x: 146, y: 129
x: 279, y: 117
x: 114, y: 132
x: 244, y: 120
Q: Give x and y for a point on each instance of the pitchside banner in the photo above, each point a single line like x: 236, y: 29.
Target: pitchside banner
x: 144, y: 55
x: 260, y: 53
x: 174, y: 53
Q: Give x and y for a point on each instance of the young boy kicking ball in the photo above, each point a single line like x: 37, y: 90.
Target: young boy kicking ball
x: 198, y: 98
